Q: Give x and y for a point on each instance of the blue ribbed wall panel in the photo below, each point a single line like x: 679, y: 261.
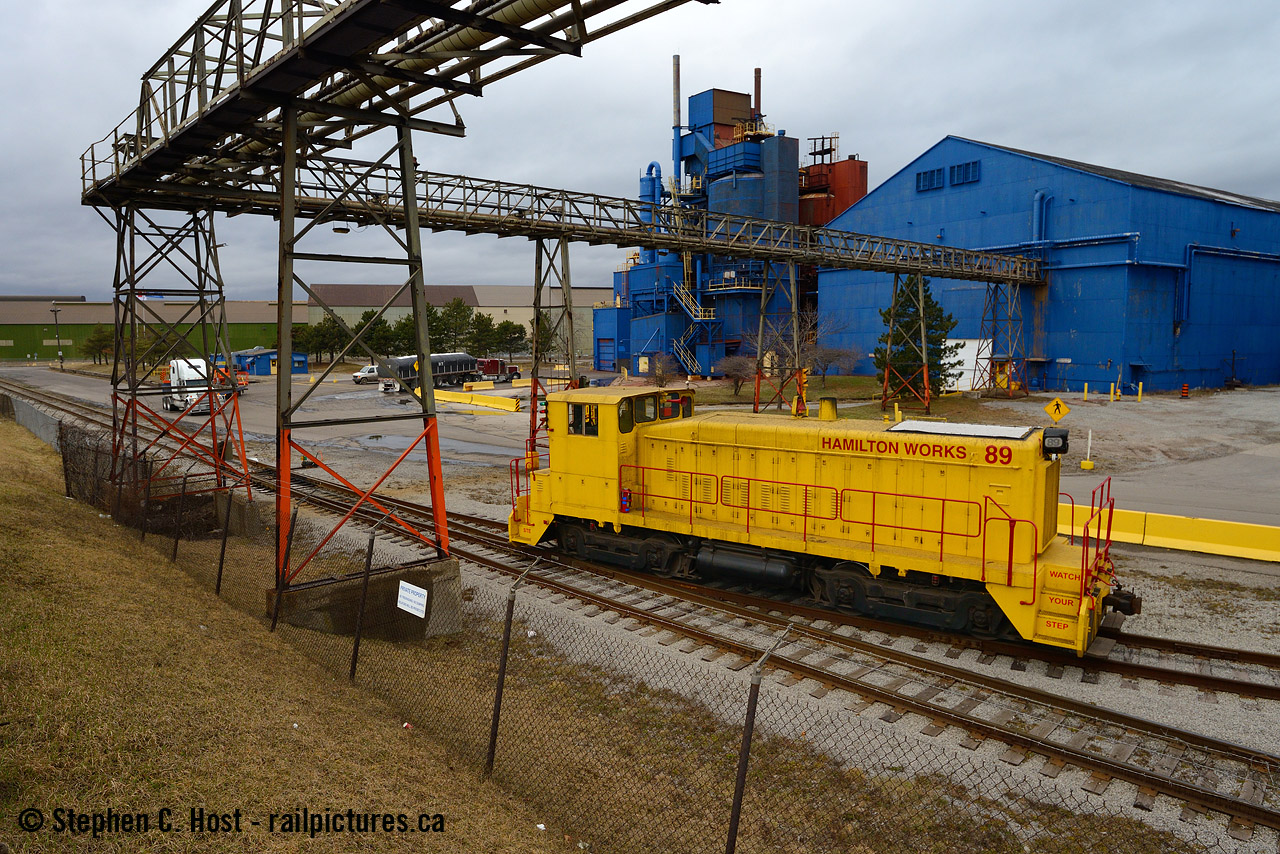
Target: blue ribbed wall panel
x: 1145, y: 285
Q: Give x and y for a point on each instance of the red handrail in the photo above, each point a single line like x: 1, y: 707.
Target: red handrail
x: 941, y: 531
x: 643, y: 493
x: 1071, y: 528
x: 1013, y: 529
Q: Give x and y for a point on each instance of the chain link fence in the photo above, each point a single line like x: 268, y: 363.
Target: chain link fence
x: 626, y: 738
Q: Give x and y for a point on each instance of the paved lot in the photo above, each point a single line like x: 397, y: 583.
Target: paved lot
x: 1216, y: 455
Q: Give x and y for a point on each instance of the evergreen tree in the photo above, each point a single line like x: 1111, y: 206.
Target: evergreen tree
x: 483, y: 338
x: 98, y: 344
x: 511, y: 337
x: 544, y: 336
x: 455, y: 325
x: 380, y: 338
x: 943, y: 364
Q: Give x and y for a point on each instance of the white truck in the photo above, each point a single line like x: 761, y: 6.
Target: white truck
x: 188, y: 386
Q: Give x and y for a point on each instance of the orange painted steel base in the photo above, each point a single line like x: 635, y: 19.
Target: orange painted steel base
x: 162, y: 455
x: 439, y: 537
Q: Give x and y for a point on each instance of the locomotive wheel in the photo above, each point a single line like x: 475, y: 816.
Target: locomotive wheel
x: 986, y: 620
x: 572, y: 540
x: 656, y: 553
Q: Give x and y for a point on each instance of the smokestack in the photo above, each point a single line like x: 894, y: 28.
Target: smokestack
x: 675, y: 91
x: 756, y: 107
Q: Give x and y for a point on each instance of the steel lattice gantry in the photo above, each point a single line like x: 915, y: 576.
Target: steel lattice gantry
x: 254, y: 99
x: 245, y: 112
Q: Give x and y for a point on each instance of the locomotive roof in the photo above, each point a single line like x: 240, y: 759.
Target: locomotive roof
x: 610, y: 394
x: 981, y: 431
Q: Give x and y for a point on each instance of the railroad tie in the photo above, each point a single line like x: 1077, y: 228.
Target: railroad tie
x: 1191, y: 812
x: 1097, y: 783
x: 1053, y: 767
x: 1013, y: 756
x: 1146, y: 799
x: 935, y: 727
x: 1240, y: 828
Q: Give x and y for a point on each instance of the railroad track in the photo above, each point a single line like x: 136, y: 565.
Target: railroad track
x: 827, y: 649
x: 1203, y: 772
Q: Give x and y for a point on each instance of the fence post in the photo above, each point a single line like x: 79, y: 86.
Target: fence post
x: 502, y: 671
x: 288, y: 547
x: 744, y: 754
x: 177, y: 522
x: 146, y: 505
x: 222, y: 552
x: 364, y: 596
x: 66, y: 465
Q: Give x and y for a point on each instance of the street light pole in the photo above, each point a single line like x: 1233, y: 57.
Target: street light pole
x: 58, y: 335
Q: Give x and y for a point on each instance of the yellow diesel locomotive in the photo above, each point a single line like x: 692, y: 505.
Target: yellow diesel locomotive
x: 946, y: 525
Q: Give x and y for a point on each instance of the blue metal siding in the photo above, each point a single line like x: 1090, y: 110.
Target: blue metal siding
x: 1144, y: 285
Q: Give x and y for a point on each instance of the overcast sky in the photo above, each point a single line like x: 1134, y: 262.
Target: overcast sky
x: 1178, y: 90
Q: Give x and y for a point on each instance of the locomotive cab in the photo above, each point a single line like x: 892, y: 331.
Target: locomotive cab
x: 592, y: 435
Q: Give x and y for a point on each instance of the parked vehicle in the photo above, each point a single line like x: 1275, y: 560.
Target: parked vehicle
x: 497, y: 370
x: 369, y: 373
x: 188, y: 387
x: 446, y: 369
x: 241, y: 384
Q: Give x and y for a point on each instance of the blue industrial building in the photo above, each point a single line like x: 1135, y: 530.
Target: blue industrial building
x: 1149, y: 280
x: 702, y: 308
x: 262, y: 362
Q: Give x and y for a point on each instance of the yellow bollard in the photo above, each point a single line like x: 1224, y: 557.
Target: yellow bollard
x: 1139, y: 392
x: 1086, y: 392
x: 1112, y: 395
x: 897, y: 414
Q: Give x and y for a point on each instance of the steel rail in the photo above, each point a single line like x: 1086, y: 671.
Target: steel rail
x: 1119, y: 770
x: 1116, y: 769
x: 1248, y: 688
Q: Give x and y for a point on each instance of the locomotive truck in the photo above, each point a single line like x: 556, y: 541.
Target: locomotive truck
x: 947, y: 525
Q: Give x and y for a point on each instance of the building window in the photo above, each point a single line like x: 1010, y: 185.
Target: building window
x: 966, y: 173
x: 929, y: 179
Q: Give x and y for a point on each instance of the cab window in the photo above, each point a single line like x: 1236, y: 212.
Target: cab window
x: 646, y: 409
x: 584, y: 419
x: 625, y: 419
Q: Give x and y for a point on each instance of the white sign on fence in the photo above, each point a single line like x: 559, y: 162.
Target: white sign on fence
x: 412, y: 599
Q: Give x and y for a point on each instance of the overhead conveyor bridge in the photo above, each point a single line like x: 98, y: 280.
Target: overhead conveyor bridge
x: 481, y: 206
x: 305, y: 111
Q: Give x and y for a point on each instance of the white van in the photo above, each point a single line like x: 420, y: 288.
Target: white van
x: 187, y: 385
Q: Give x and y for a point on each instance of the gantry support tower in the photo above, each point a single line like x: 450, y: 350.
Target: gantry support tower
x: 906, y: 355
x: 243, y: 115
x: 248, y: 113
x: 1000, y: 364
x: 162, y: 255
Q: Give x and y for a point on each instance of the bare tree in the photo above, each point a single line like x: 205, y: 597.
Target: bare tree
x: 815, y: 330
x: 740, y: 369
x: 663, y: 369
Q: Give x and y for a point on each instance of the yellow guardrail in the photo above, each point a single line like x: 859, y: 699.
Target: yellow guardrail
x: 478, y: 385
x: 523, y: 382
x: 1185, y: 533
x: 507, y: 404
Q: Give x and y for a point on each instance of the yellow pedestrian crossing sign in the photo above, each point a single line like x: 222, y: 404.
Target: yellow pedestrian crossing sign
x: 1057, y: 409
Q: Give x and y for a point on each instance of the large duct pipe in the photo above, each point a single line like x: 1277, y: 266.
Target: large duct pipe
x: 755, y: 107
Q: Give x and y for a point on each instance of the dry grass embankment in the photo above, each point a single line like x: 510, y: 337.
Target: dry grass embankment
x: 125, y: 685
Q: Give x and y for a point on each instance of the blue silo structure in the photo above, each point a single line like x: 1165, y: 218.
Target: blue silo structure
x: 1149, y: 280
x: 701, y: 309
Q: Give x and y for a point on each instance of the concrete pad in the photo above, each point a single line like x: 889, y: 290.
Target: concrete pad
x: 331, y: 605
